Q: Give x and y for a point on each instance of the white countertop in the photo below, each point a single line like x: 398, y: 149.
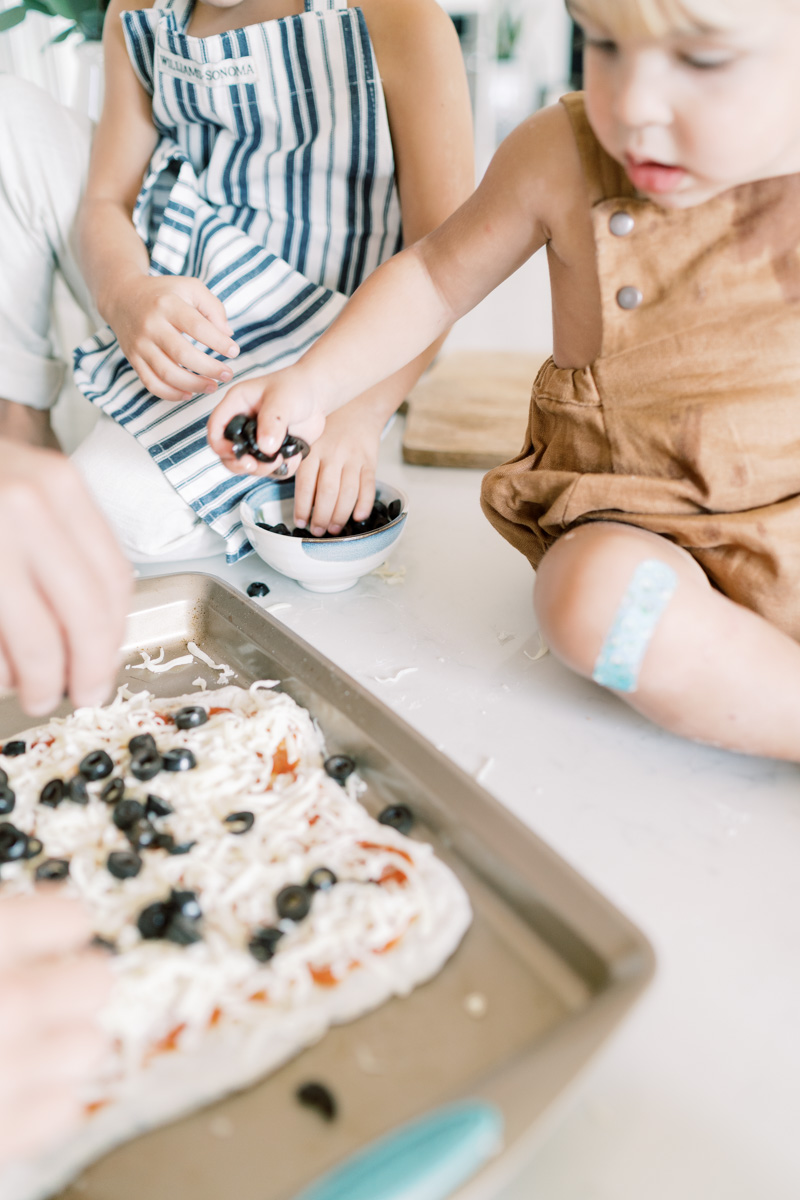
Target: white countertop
x: 697, y: 1095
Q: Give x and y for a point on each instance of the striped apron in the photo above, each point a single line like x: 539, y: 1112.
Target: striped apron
x: 273, y: 182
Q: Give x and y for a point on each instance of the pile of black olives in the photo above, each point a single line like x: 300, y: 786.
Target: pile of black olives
x: 242, y: 432
x: 381, y: 515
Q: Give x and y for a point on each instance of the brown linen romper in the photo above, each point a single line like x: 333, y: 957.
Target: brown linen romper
x: 688, y: 422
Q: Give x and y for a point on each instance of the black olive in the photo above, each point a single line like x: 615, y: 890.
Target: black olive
x: 164, y: 841
x: 235, y: 426
x: 182, y: 847
x: 182, y: 931
x: 13, y: 749
x: 257, y: 588
x: 321, y: 879
x: 154, y: 919
x: 142, y: 741
x: 77, y: 791
x: 291, y: 446
x: 113, y: 791
x: 156, y: 807
x: 190, y: 717
x: 52, y: 869
x: 301, y: 533
x: 398, y: 816
x: 146, y: 764
x: 34, y: 848
x: 180, y: 759
x: 96, y: 765
x: 394, y: 509
x: 143, y: 836
x: 239, y: 822
x: 293, y: 902
x: 123, y: 864
x: 264, y: 942
x: 187, y: 904
x: 283, y: 529
x: 7, y: 799
x: 13, y: 842
x: 127, y: 813
x: 340, y: 767
x: 52, y: 793
x: 3, y: 778
x: 318, y: 1097
x: 240, y: 448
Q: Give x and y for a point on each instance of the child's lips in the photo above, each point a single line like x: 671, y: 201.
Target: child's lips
x: 654, y: 177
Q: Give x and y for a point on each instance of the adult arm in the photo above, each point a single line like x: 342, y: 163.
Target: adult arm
x: 51, y: 989
x: 66, y: 585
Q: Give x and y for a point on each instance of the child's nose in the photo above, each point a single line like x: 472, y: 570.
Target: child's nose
x: 642, y: 96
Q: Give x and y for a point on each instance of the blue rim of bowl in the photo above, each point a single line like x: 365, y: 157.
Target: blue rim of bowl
x: 285, y: 487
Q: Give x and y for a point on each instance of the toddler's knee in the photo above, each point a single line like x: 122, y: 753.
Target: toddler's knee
x: 580, y: 585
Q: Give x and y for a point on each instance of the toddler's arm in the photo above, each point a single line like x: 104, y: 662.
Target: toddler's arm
x: 149, y: 314
x: 416, y: 296
x: 427, y: 100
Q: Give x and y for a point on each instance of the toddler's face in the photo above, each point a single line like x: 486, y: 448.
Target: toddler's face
x: 691, y: 115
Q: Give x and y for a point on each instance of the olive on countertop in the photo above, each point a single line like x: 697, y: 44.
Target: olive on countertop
x: 257, y: 588
x: 318, y: 1097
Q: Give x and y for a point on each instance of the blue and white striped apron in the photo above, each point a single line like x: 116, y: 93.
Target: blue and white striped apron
x: 273, y: 183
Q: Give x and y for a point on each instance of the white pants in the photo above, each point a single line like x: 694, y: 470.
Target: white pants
x: 44, y: 155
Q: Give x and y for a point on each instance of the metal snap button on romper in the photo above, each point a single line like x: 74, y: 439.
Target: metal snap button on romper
x: 621, y: 224
x: 629, y: 297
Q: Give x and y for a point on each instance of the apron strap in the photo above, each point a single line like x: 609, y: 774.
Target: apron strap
x: 323, y: 5
x: 180, y: 9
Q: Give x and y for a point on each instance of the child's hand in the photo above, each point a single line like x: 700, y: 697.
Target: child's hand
x: 283, y: 402
x: 51, y: 989
x: 150, y: 318
x: 337, y: 479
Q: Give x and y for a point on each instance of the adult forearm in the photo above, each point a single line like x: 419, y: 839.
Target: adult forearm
x: 22, y: 423
x: 111, y: 252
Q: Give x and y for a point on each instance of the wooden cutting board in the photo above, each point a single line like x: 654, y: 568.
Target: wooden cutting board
x: 470, y: 409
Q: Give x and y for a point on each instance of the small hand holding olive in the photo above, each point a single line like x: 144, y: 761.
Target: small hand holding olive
x: 286, y: 420
x: 52, y: 986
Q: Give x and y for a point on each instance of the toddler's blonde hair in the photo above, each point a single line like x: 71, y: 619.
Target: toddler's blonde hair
x: 660, y: 18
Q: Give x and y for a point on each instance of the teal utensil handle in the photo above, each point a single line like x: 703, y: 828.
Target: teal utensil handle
x: 424, y: 1160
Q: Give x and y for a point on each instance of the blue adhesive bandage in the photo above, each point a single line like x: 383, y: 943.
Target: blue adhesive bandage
x: 622, y: 653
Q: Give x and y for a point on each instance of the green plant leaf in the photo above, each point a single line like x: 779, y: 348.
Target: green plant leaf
x: 62, y: 8
x: 12, y: 17
x: 38, y: 6
x: 62, y: 37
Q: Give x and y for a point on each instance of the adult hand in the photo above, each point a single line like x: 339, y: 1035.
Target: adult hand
x: 51, y: 990
x: 151, y: 316
x: 283, y: 402
x: 65, y: 587
x: 337, y: 479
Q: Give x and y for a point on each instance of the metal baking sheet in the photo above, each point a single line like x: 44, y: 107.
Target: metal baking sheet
x: 557, y: 964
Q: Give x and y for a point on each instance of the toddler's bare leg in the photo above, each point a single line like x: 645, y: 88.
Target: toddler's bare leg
x: 711, y: 670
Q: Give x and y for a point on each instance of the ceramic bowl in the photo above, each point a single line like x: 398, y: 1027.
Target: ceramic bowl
x: 328, y: 565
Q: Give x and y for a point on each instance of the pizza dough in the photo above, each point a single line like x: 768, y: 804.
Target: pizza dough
x: 191, y: 1022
